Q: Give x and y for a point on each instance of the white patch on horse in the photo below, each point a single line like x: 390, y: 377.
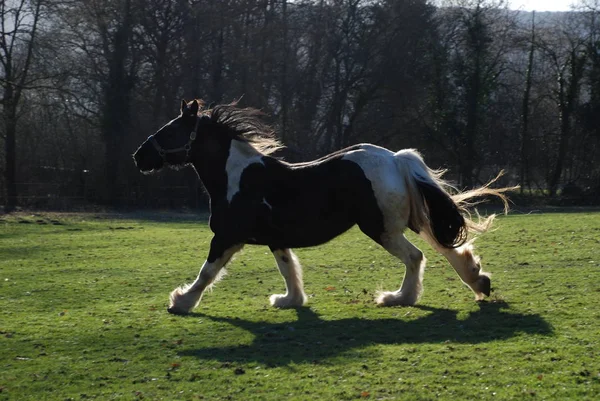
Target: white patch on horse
x: 381, y: 169
x: 241, y: 155
x: 267, y: 203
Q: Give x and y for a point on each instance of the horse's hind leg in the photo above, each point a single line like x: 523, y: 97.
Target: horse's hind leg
x: 466, y: 264
x: 291, y: 270
x: 468, y: 267
x: 412, y: 285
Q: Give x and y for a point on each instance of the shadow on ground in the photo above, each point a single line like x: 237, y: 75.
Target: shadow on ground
x: 312, y: 339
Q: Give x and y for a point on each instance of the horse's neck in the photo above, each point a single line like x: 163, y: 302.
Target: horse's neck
x: 220, y: 170
x: 209, y: 163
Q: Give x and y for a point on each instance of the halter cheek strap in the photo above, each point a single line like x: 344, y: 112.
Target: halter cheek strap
x: 187, y: 147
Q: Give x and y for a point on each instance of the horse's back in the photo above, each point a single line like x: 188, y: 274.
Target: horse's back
x: 378, y: 164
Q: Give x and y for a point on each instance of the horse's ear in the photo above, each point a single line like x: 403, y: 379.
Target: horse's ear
x: 183, y: 106
x: 194, y: 107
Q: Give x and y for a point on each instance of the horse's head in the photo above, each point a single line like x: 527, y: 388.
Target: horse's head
x: 172, y: 144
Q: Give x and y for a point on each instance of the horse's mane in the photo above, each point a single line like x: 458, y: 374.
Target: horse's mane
x: 244, y: 124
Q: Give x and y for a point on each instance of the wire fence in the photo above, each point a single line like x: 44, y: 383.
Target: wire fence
x: 81, y: 197
x: 62, y: 197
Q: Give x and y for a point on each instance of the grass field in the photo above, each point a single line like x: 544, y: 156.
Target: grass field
x: 83, y: 298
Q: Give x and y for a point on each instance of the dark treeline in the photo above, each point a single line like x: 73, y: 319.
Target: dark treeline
x: 474, y: 86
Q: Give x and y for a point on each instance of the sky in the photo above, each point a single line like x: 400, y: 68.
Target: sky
x: 542, y: 5
x: 537, y: 5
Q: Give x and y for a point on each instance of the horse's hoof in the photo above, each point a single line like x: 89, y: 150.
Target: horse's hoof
x: 282, y: 301
x: 175, y: 311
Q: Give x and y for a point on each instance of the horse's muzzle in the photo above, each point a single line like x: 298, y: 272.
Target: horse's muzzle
x: 486, y: 285
x: 147, y: 159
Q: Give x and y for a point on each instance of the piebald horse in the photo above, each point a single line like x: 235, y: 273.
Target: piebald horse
x: 256, y: 198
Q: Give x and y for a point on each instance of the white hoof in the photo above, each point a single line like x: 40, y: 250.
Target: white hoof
x: 386, y: 298
x: 287, y: 301
x: 182, y: 301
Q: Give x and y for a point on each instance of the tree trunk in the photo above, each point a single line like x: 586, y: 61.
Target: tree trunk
x: 334, y: 111
x: 116, y: 113
x: 216, y: 94
x: 10, y: 142
x: 284, y: 72
x: 477, y: 35
x: 524, y: 167
x: 13, y: 82
x: 472, y: 127
x: 568, y: 93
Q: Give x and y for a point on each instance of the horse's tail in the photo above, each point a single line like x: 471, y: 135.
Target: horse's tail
x: 439, y: 208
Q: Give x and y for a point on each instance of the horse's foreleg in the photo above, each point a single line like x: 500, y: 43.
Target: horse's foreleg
x: 183, y: 299
x: 291, y: 270
x: 412, y: 285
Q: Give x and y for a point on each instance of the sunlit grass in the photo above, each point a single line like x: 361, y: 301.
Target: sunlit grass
x: 83, y: 299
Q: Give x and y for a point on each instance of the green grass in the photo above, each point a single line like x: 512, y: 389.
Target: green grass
x: 83, y: 298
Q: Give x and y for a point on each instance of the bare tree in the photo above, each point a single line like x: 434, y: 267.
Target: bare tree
x: 20, y: 21
x: 162, y: 44
x: 101, y: 35
x: 479, y: 37
x: 588, y: 146
x: 471, y: 83
x: 524, y: 167
x: 565, y: 51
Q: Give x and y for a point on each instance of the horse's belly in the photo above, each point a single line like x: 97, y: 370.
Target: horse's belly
x: 297, y: 232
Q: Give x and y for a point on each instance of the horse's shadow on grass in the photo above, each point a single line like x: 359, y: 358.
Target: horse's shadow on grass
x: 312, y: 339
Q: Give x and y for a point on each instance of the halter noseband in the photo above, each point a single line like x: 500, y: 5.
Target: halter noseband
x: 187, y: 147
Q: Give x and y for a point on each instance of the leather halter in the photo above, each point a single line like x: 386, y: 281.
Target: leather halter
x: 185, y: 148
